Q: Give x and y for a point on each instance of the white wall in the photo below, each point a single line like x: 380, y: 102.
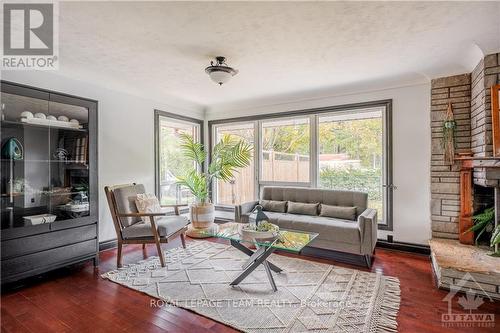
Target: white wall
x: 411, y: 149
x: 126, y: 133
x: 126, y: 138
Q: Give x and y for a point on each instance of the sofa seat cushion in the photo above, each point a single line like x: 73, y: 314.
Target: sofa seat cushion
x: 166, y: 225
x: 333, y: 230
x: 335, y: 246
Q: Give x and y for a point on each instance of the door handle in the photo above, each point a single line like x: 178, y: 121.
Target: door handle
x: 390, y: 186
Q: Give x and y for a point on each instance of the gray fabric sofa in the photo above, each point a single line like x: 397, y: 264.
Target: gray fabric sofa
x: 356, y: 237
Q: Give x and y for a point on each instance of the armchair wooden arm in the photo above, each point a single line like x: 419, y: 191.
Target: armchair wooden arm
x: 156, y: 236
x: 141, y: 214
x: 175, y: 207
x: 154, y: 229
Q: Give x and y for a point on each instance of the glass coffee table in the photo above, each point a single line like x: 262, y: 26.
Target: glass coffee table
x: 287, y: 240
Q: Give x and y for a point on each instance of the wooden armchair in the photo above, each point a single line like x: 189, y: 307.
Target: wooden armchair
x: 131, y: 229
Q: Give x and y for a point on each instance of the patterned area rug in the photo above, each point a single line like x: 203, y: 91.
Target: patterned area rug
x: 311, y: 297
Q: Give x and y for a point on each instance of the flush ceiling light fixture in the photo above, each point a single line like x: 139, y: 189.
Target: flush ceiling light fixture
x: 219, y: 71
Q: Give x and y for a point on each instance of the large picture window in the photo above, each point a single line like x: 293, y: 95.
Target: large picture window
x: 285, y: 155
x: 242, y: 187
x: 170, y: 163
x: 343, y: 147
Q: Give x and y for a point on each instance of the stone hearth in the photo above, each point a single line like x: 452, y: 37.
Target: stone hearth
x: 451, y: 261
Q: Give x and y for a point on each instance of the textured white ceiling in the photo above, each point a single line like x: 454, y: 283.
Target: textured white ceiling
x: 161, y: 49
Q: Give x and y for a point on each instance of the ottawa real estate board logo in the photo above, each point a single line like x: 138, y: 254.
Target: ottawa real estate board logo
x: 30, y: 36
x: 471, y: 301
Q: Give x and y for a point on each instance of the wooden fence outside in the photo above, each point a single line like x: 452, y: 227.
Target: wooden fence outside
x: 282, y: 167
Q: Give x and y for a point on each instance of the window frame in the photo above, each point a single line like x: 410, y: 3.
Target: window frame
x: 314, y: 115
x: 158, y: 114
x: 212, y: 139
x: 386, y: 176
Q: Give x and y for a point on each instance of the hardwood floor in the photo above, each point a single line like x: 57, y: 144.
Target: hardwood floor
x: 77, y: 299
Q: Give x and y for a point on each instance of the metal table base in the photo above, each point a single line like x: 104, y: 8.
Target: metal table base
x: 259, y: 257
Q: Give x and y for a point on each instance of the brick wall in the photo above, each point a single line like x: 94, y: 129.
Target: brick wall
x: 445, y: 191
x: 471, y: 101
x: 484, y: 76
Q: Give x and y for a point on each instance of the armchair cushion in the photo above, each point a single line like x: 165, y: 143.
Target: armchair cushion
x: 125, y: 202
x: 166, y: 225
x: 147, y: 203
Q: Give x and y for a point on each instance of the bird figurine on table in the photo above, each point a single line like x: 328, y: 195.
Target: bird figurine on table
x: 260, y: 216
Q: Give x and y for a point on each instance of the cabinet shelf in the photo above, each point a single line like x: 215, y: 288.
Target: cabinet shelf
x: 28, y: 125
x: 46, y: 161
x: 52, y: 194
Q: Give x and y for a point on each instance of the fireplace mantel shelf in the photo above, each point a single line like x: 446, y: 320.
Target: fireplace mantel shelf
x: 458, y: 158
x: 479, y: 162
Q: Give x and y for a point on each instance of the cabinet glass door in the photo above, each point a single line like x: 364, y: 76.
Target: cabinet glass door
x: 44, y: 162
x: 69, y: 161
x: 25, y: 172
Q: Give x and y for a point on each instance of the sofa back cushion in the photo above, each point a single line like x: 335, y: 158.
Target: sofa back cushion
x: 273, y: 206
x: 339, y: 212
x: 315, y: 195
x: 303, y: 208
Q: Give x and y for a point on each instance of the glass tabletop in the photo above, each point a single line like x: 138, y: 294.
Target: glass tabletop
x: 288, y: 240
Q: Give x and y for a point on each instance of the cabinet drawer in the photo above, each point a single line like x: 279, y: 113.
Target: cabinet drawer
x: 72, y: 223
x: 36, y: 243
x: 46, y: 259
x: 34, y: 230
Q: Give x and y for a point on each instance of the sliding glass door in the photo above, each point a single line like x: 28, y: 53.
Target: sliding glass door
x: 170, y: 161
x: 351, y: 153
x: 346, y: 148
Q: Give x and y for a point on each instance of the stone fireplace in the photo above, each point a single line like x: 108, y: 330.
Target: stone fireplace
x: 471, y: 184
x: 469, y: 96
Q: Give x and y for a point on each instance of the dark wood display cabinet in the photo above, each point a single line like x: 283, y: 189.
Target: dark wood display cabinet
x: 48, y: 193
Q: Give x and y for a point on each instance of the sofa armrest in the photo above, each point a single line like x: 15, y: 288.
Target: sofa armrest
x: 244, y: 208
x: 367, y: 223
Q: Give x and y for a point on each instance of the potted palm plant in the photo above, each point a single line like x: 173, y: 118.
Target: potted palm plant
x: 485, y: 222
x: 228, y: 155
